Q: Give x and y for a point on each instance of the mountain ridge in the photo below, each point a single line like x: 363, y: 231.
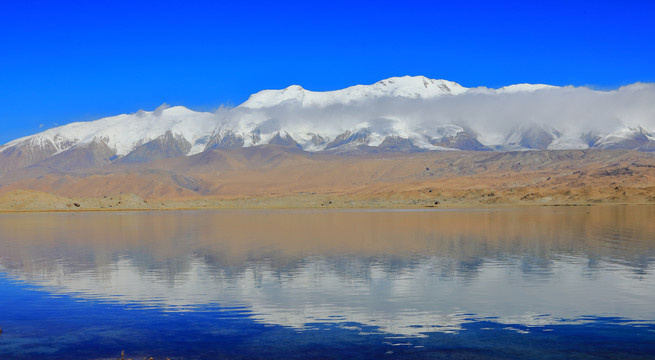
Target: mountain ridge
x: 406, y: 114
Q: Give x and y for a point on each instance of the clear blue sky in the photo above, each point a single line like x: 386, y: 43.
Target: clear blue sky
x: 65, y: 61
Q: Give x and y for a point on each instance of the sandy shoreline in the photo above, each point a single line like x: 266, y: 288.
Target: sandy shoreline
x: 33, y: 201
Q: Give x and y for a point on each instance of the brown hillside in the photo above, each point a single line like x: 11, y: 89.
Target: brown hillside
x: 272, y: 173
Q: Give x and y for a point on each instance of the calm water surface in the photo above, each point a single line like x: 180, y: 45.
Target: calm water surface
x: 529, y: 283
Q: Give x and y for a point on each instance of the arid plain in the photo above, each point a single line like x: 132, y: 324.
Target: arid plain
x: 273, y: 176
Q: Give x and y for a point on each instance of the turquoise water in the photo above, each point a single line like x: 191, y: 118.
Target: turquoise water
x: 528, y: 283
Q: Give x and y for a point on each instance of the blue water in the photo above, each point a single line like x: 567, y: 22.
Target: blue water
x: 543, y: 283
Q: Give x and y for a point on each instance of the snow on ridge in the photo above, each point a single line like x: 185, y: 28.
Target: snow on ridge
x: 406, y: 86
x: 124, y: 132
x: 389, y: 107
x: 513, y: 89
x: 411, y: 87
x: 630, y: 132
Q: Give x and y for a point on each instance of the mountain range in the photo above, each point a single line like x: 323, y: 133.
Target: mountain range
x: 401, y: 114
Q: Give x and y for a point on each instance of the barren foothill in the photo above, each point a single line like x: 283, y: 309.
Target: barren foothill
x: 278, y: 177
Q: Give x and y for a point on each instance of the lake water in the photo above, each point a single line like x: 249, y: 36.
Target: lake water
x: 527, y: 283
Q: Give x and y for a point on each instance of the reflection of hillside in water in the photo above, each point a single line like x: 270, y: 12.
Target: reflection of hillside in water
x: 404, y: 272
x: 234, y: 240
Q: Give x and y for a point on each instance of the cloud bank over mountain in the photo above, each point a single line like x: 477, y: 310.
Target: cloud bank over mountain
x: 396, y: 114
x: 493, y: 114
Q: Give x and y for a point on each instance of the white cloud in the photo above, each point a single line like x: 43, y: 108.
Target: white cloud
x: 493, y: 114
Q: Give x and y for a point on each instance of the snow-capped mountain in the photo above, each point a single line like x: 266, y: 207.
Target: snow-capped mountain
x: 116, y: 137
x: 396, y: 114
x: 631, y: 137
x: 418, y: 87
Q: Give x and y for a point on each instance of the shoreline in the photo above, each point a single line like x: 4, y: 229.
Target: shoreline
x: 35, y: 202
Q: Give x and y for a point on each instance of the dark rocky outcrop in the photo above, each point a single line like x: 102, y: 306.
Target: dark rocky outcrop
x: 166, y: 146
x: 361, y: 137
x: 399, y: 144
x: 463, y: 140
x: 83, y: 156
x: 283, y: 140
x: 224, y: 140
x: 31, y: 151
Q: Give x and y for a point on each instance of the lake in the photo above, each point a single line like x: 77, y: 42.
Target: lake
x: 520, y: 283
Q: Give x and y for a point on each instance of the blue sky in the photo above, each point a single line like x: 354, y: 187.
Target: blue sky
x: 65, y: 61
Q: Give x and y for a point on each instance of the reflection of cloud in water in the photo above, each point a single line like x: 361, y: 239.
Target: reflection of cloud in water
x: 402, y: 272
x: 395, y: 298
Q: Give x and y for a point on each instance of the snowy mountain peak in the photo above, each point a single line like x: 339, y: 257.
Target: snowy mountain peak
x: 293, y: 88
x: 410, y: 87
x: 417, y: 87
x: 414, y: 87
x: 513, y: 89
x: 124, y: 132
x: 409, y: 113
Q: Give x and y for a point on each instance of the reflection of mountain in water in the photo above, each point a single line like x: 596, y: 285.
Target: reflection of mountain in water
x: 396, y: 241
x: 405, y: 272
